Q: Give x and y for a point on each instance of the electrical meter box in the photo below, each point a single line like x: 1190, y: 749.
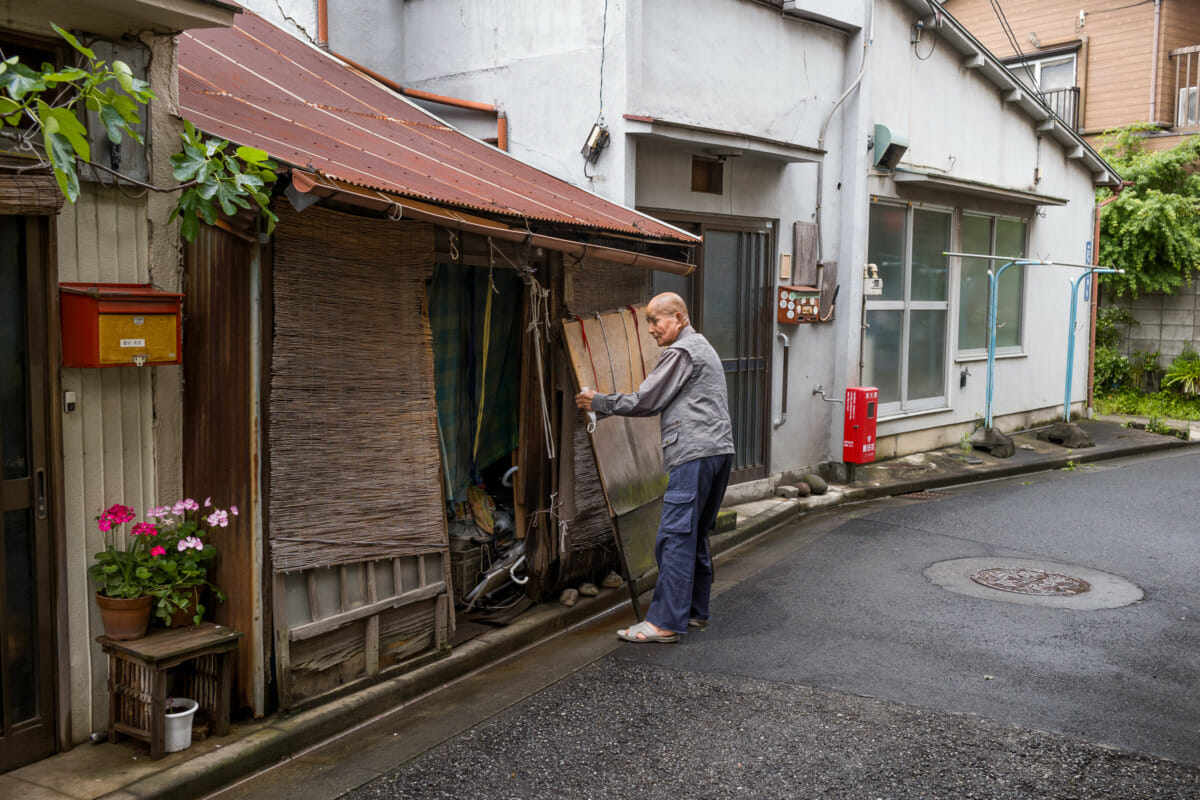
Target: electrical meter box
x: 858, y: 445
x: 797, y: 304
x: 120, y: 325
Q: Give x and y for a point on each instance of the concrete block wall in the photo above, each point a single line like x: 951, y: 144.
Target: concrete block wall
x: 1166, y: 323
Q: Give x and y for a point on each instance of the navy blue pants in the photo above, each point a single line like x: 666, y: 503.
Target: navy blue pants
x: 685, y: 574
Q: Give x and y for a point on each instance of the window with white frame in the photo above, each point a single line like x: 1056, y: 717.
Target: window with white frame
x: 904, y: 348
x: 1046, y: 73
x: 999, y: 236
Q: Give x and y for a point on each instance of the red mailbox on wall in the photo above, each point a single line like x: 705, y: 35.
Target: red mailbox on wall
x: 858, y: 444
x: 120, y: 325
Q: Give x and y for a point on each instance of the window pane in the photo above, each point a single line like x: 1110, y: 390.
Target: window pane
x: 1057, y: 74
x: 926, y: 355
x: 1010, y: 241
x: 18, y: 624
x: 14, y: 412
x: 885, y: 249
x: 973, y: 284
x: 881, y: 359
x: 721, y: 291
x: 931, y: 238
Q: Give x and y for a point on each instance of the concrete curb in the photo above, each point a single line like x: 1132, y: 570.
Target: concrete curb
x: 285, y: 735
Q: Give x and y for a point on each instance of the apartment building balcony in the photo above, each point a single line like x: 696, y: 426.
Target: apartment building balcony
x: 1064, y: 103
x: 1187, y: 86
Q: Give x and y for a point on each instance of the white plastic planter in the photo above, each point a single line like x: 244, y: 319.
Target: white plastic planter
x: 179, y: 725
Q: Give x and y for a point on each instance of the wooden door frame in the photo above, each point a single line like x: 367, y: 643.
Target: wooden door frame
x: 44, y: 468
x: 736, y: 224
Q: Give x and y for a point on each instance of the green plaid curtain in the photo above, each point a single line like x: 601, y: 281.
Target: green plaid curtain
x: 457, y: 306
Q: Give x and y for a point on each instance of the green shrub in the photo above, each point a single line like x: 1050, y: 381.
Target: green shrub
x: 1184, y: 373
x: 1164, y: 405
x: 1107, y: 320
x: 1112, y: 369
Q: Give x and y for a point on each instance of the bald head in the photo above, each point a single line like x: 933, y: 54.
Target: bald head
x: 667, y: 303
x: 668, y: 316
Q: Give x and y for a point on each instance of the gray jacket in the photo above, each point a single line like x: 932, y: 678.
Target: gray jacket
x: 687, y: 388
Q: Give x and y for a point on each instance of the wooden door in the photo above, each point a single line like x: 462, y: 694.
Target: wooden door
x: 27, y: 712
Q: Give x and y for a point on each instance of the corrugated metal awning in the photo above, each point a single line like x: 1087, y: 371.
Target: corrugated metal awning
x: 258, y: 86
x: 405, y: 208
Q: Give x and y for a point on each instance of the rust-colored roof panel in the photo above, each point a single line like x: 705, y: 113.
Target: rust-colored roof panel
x: 256, y: 85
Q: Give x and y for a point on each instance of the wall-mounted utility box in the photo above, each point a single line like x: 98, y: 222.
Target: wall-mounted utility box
x: 797, y: 304
x: 120, y: 325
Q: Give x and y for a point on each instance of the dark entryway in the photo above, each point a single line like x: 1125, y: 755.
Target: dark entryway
x: 27, y: 713
x: 729, y: 298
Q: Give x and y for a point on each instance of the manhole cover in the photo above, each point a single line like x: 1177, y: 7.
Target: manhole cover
x: 1030, y: 581
x: 924, y: 495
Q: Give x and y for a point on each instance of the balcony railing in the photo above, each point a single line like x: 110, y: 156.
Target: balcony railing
x: 1064, y: 103
x: 1187, y: 85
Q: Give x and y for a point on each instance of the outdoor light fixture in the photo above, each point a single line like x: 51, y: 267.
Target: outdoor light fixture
x: 597, y: 140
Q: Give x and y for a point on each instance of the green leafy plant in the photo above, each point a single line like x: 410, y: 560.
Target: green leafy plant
x: 1071, y: 466
x: 1112, y: 369
x: 1152, y: 229
x: 217, y: 179
x: 181, y: 568
x: 1184, y: 373
x: 40, y: 110
x: 1164, y: 404
x: 124, y: 572
x: 1156, y: 425
x: 1108, y: 317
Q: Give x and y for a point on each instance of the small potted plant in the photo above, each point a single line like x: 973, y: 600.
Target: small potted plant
x: 181, y: 569
x: 177, y: 731
x: 126, y: 575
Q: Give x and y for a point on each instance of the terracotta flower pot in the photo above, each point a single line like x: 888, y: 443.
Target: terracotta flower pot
x: 124, y: 619
x: 181, y: 618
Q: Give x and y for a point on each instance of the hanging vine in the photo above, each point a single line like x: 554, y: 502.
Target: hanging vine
x: 40, y: 110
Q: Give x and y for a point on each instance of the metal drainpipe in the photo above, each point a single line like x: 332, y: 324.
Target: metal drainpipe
x: 1154, y: 64
x: 323, y: 24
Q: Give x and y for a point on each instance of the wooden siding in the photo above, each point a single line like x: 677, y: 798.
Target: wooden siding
x: 1180, y: 28
x: 1114, y: 70
x: 108, y: 441
x: 217, y: 428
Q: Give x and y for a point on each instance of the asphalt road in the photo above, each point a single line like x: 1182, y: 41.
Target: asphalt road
x: 834, y: 668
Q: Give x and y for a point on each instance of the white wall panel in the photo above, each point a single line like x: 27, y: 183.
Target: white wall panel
x: 108, y: 442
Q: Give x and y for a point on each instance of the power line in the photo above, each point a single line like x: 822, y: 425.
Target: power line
x: 1012, y: 40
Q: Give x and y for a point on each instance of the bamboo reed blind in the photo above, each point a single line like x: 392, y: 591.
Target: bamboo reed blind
x: 355, y: 472
x: 29, y: 194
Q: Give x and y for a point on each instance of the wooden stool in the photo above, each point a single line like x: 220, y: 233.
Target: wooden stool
x: 137, y: 679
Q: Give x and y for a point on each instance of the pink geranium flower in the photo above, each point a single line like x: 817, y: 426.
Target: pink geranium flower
x: 233, y: 510
x: 144, y: 529
x: 157, y: 551
x: 218, y: 519
x: 190, y: 543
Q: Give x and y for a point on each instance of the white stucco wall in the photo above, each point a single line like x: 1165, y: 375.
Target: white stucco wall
x: 957, y: 123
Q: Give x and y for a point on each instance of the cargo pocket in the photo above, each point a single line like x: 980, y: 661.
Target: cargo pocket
x: 677, y: 512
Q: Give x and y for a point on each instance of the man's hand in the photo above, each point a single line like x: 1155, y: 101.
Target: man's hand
x: 584, y: 399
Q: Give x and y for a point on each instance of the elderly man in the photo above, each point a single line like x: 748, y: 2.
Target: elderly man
x: 687, y: 387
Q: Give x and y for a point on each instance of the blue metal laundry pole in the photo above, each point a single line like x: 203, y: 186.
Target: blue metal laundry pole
x: 993, y: 282
x: 1071, y: 334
